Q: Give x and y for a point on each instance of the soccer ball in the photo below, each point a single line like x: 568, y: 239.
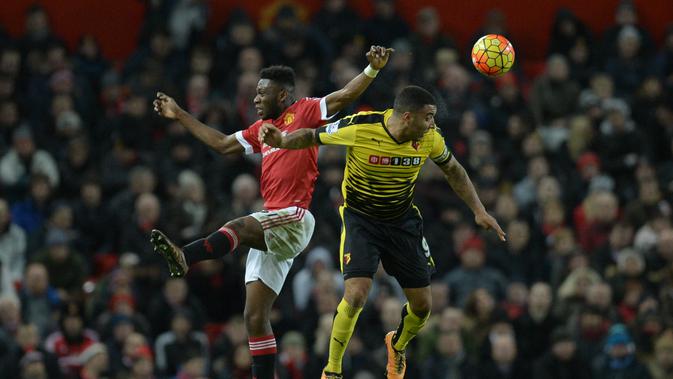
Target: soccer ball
x: 492, y: 55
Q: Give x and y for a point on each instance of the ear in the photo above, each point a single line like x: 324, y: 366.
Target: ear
x: 406, y: 116
x: 282, y: 95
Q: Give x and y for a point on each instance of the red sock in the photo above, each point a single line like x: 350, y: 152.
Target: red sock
x: 216, y: 245
x: 263, y: 351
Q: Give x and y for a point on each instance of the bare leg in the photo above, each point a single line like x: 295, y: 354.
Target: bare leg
x: 241, y: 231
x: 258, y: 302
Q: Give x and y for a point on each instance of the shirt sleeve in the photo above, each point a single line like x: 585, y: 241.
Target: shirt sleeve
x: 248, y: 138
x: 340, y: 132
x: 315, y: 111
x: 440, y: 153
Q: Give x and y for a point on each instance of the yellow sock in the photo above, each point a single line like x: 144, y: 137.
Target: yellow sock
x: 342, y: 330
x: 409, y: 327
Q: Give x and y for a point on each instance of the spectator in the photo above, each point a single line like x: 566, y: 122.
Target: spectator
x: 535, y: 326
x: 174, y: 297
x: 427, y: 40
x: 134, y: 236
x: 385, y: 25
x: 605, y: 258
x: 94, y: 360
x: 472, y: 274
x: 449, y: 359
x: 561, y: 361
x: 12, y: 245
x: 175, y: 346
x: 25, y: 159
x: 554, y: 94
x: 92, y: 219
x: 65, y: 266
x: 504, y: 362
x: 28, y: 342
x: 33, y: 366
x: 619, y: 148
x: 518, y: 261
x: 318, y: 260
x: 338, y: 22
x: 71, y: 339
x: 293, y: 356
x: 572, y: 292
x: 40, y: 302
x: 662, y: 365
x: 619, y: 358
x: 187, y: 20
x: 626, y: 16
x: 10, y: 315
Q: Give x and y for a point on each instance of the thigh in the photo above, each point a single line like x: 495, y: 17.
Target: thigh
x: 359, y: 251
x: 270, y: 269
x: 407, y: 256
x: 286, y: 231
x: 249, y: 232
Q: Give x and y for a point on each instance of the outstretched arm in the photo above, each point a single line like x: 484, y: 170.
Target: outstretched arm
x: 299, y: 139
x: 462, y: 185
x: 377, y: 56
x: 166, y: 106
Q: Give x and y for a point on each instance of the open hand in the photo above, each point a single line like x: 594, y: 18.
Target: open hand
x: 165, y: 106
x: 487, y: 222
x: 270, y: 135
x: 377, y: 56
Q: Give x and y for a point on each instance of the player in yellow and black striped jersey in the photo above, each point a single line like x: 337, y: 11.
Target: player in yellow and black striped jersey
x: 381, y: 171
x: 386, y: 151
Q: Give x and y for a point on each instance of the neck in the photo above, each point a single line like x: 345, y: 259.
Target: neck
x: 396, y: 129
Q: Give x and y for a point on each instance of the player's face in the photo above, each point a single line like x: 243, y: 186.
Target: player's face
x: 269, y: 100
x: 421, y: 121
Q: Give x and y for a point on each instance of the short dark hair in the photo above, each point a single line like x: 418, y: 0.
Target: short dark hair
x: 413, y: 98
x: 282, y: 75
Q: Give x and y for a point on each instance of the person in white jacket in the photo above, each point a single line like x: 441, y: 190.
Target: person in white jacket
x: 24, y: 159
x: 12, y: 248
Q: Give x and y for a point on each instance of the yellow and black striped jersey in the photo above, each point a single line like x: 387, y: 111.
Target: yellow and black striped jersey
x: 381, y: 173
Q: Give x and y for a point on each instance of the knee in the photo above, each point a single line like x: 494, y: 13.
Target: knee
x: 356, y: 296
x: 255, y: 320
x: 421, y: 307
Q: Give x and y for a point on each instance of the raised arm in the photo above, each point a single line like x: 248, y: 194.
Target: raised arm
x: 377, y: 56
x: 166, y: 106
x: 299, y: 139
x: 462, y: 185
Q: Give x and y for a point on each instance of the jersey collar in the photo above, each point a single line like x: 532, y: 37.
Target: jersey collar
x: 386, y: 116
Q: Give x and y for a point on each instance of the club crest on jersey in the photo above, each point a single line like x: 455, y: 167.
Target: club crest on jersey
x: 347, y: 259
x: 415, y: 145
x: 394, y: 161
x: 289, y: 118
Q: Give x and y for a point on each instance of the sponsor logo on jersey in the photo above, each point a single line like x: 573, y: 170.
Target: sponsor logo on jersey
x: 395, y: 161
x: 332, y: 127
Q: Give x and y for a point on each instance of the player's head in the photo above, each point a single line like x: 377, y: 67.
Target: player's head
x: 416, y: 107
x: 275, y: 91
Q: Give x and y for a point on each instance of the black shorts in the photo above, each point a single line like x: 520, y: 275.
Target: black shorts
x: 398, y: 244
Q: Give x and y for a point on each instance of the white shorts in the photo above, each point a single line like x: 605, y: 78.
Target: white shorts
x: 287, y: 231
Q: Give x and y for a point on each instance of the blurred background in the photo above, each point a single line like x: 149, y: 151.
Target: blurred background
x: 572, y: 152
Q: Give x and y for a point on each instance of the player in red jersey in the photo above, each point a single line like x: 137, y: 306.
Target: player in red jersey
x: 280, y: 232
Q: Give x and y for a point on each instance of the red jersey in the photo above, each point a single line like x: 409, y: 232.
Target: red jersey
x: 288, y: 176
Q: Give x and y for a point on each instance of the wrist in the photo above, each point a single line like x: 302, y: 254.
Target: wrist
x: 181, y: 114
x: 371, y: 71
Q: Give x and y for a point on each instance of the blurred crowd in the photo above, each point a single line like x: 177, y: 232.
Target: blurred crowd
x: 574, y: 159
